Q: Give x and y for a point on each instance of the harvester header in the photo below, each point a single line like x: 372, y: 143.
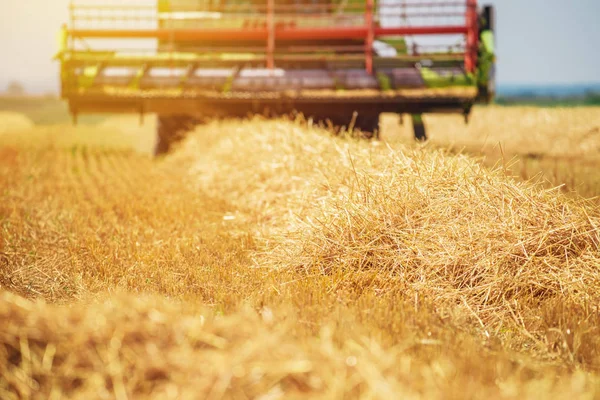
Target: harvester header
x: 196, y: 59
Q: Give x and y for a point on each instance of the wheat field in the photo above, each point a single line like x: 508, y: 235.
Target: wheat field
x: 557, y: 145
x: 268, y: 259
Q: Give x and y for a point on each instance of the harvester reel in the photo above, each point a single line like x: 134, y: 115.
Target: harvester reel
x: 325, y: 59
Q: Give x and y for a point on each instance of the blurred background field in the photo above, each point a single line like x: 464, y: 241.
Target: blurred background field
x: 46, y: 122
x: 558, y: 145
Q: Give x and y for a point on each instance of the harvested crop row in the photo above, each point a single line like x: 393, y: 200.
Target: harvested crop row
x: 449, y: 230
x: 414, y: 220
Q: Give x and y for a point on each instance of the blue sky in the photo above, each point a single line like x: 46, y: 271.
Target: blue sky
x: 539, y: 41
x: 548, y: 41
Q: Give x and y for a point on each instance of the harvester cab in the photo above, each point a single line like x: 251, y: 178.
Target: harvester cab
x: 342, y: 61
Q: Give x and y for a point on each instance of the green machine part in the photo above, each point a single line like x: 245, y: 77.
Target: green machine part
x: 486, y: 68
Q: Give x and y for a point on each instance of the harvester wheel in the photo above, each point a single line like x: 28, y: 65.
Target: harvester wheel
x: 170, y: 130
x: 368, y: 125
x: 419, y: 127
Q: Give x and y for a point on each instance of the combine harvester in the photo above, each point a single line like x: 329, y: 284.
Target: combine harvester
x: 341, y: 61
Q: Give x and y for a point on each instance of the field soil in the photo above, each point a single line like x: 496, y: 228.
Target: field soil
x: 269, y: 260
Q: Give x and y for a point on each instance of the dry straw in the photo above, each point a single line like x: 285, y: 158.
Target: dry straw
x: 350, y: 231
x: 148, y: 347
x: 452, y: 231
x: 403, y: 218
